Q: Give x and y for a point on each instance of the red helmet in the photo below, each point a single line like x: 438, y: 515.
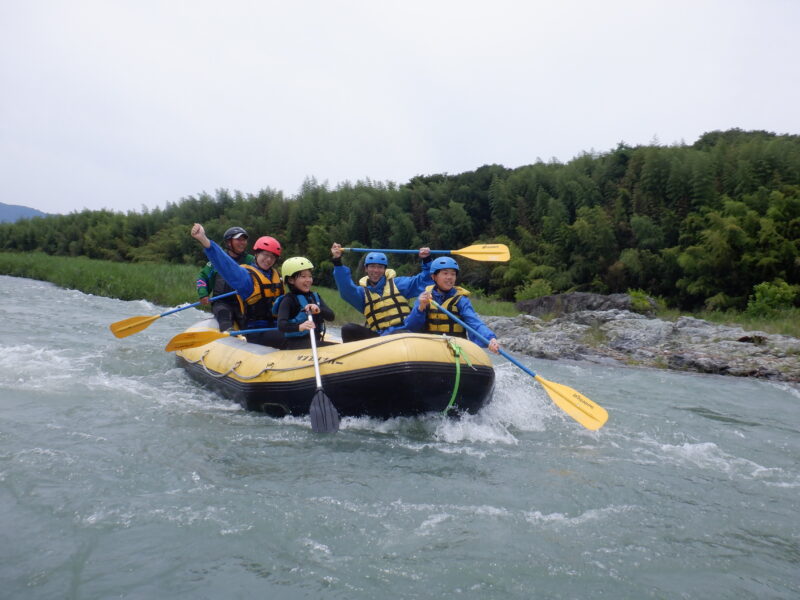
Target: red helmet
x: 270, y: 244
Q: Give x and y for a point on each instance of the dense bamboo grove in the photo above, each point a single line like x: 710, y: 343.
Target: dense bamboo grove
x: 699, y: 225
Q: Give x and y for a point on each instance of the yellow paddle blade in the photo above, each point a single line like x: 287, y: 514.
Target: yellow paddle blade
x: 131, y: 325
x: 575, y: 404
x: 193, y: 339
x: 485, y: 252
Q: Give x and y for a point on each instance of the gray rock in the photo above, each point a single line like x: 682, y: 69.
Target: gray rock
x: 688, y: 344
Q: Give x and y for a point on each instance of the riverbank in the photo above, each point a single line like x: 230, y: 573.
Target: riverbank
x: 617, y: 336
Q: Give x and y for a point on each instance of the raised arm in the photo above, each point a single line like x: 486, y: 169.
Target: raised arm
x: 414, y: 286
x: 350, y: 292
x: 236, y: 276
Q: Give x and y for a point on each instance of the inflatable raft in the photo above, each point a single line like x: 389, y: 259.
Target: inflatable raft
x: 397, y: 375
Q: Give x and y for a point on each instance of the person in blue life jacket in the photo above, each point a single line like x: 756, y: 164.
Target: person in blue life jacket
x: 379, y: 295
x: 210, y: 283
x: 257, y: 285
x: 297, y: 303
x: 444, y: 291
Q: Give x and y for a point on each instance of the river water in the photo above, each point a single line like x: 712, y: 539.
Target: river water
x: 121, y: 478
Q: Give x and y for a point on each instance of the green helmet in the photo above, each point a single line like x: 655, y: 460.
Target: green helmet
x: 294, y: 265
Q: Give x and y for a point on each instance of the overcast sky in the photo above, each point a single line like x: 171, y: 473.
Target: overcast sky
x: 125, y: 104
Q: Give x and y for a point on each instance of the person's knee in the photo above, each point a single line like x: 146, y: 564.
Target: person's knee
x: 224, y: 316
x: 352, y: 332
x: 349, y: 332
x: 349, y: 328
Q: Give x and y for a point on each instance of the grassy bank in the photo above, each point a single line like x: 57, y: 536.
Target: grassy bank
x: 167, y: 285
x: 173, y: 285
x: 162, y: 284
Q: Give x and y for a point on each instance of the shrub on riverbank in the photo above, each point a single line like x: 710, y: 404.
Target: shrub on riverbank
x: 173, y: 285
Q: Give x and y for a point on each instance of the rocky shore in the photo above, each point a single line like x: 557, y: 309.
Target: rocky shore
x: 614, y: 334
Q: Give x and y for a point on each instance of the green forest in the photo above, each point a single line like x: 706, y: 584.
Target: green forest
x: 700, y: 226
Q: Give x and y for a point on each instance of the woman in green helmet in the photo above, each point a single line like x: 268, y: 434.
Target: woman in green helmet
x: 297, y: 303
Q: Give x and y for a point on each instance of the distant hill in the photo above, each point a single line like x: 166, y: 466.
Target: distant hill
x: 9, y: 213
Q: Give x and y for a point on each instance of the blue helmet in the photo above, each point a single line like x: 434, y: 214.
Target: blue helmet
x: 443, y: 262
x: 376, y: 258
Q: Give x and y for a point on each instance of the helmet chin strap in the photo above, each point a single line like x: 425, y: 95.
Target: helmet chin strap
x: 229, y: 248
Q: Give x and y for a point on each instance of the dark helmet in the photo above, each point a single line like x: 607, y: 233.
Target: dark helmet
x: 234, y: 232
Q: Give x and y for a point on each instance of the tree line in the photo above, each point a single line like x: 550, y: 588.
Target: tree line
x: 699, y: 225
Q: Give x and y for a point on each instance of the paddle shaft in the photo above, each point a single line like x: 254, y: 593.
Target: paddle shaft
x: 479, y: 252
x: 392, y: 251
x: 133, y: 325
x: 174, y: 310
x: 323, y: 414
x: 313, y: 336
x: 483, y: 339
x: 234, y: 332
x: 480, y: 337
x: 575, y: 404
x: 193, y: 339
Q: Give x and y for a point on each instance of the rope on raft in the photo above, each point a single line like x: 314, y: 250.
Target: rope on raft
x: 449, y: 340
x: 458, y: 353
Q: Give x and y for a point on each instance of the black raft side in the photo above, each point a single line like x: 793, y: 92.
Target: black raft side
x: 399, y: 389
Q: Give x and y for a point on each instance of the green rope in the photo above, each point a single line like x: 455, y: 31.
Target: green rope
x: 458, y: 353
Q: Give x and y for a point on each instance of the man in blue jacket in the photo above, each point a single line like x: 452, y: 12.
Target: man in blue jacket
x: 379, y: 295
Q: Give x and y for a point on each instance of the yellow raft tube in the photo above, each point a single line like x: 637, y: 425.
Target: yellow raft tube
x: 396, y: 375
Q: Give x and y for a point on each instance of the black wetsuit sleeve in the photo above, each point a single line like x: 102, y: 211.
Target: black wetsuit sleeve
x: 287, y: 310
x: 326, y: 311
